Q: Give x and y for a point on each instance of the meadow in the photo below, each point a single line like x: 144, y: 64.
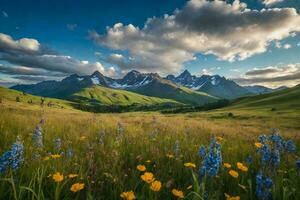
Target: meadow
x: 63, y: 153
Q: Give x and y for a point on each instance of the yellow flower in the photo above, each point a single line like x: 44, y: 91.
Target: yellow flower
x: 82, y: 138
x: 228, y: 197
x: 178, y: 193
x: 148, y: 161
x: 189, y: 187
x: 190, y: 165
x: 147, y: 177
x: 58, y: 177
x: 234, y: 173
x: 141, y: 168
x: 155, y: 186
x: 227, y: 165
x: 170, y: 156
x: 219, y: 139
x: 72, y: 175
x: 46, y: 158
x: 258, y: 145
x: 55, y: 156
x: 129, y: 195
x: 242, y: 167
x: 77, y: 187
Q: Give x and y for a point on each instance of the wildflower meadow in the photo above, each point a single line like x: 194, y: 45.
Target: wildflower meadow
x: 74, y: 155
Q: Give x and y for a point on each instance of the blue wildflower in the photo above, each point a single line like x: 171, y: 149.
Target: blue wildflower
x: 249, y: 160
x: 298, y: 163
x: 263, y: 187
x: 290, y: 147
x: 212, y: 160
x: 37, y: 137
x: 58, y: 144
x: 202, y: 151
x: 177, y: 148
x: 12, y: 158
x: 262, y: 139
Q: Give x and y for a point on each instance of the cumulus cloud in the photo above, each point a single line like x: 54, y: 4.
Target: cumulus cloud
x: 228, y: 31
x: 271, y: 2
x: 272, y: 76
x: 27, y: 56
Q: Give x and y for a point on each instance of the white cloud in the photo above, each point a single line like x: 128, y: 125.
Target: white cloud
x: 272, y: 76
x: 24, y: 44
x: 271, y: 2
x: 29, y: 57
x: 287, y: 46
x: 229, y: 31
x: 278, y: 45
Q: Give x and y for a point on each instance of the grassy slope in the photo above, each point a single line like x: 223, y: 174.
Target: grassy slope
x: 285, y: 99
x: 108, y: 96
x: 165, y: 89
x: 9, y: 95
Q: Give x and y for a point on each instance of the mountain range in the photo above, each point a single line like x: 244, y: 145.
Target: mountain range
x: 134, y: 86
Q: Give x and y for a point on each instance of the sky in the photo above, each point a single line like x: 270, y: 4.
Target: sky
x: 253, y: 42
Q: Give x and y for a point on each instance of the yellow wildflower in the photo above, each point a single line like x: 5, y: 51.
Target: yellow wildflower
x: 228, y: 197
x: 141, y: 168
x: 190, y: 165
x: 55, y: 156
x: 82, y: 138
x: 129, y: 195
x: 148, y: 161
x: 58, y: 177
x: 242, y: 167
x: 72, y: 175
x: 178, y: 193
x: 77, y: 187
x: 46, y: 158
x: 170, y: 156
x: 147, y: 177
x: 155, y: 186
x: 258, y: 145
x: 234, y: 173
x: 189, y: 187
x: 227, y: 165
x: 219, y: 139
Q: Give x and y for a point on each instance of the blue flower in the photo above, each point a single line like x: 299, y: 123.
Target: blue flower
x: 177, y: 148
x: 298, y: 163
x: 12, y: 158
x: 212, y: 160
x: 262, y: 139
x: 202, y: 151
x: 263, y: 187
x: 37, y: 137
x: 58, y: 144
x: 249, y: 160
x: 290, y: 147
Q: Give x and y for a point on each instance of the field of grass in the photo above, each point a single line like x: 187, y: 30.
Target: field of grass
x: 104, y: 150
x: 108, y: 96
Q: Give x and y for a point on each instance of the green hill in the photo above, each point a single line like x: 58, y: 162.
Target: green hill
x: 284, y: 99
x: 9, y: 95
x: 166, y: 89
x: 108, y: 96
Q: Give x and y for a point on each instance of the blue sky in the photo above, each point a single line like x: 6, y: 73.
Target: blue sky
x: 77, y: 32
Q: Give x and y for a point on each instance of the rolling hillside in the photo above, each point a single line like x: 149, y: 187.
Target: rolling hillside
x: 284, y: 99
x: 108, y: 96
x: 9, y: 95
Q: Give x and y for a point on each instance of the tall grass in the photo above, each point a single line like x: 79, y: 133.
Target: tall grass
x: 105, y: 158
